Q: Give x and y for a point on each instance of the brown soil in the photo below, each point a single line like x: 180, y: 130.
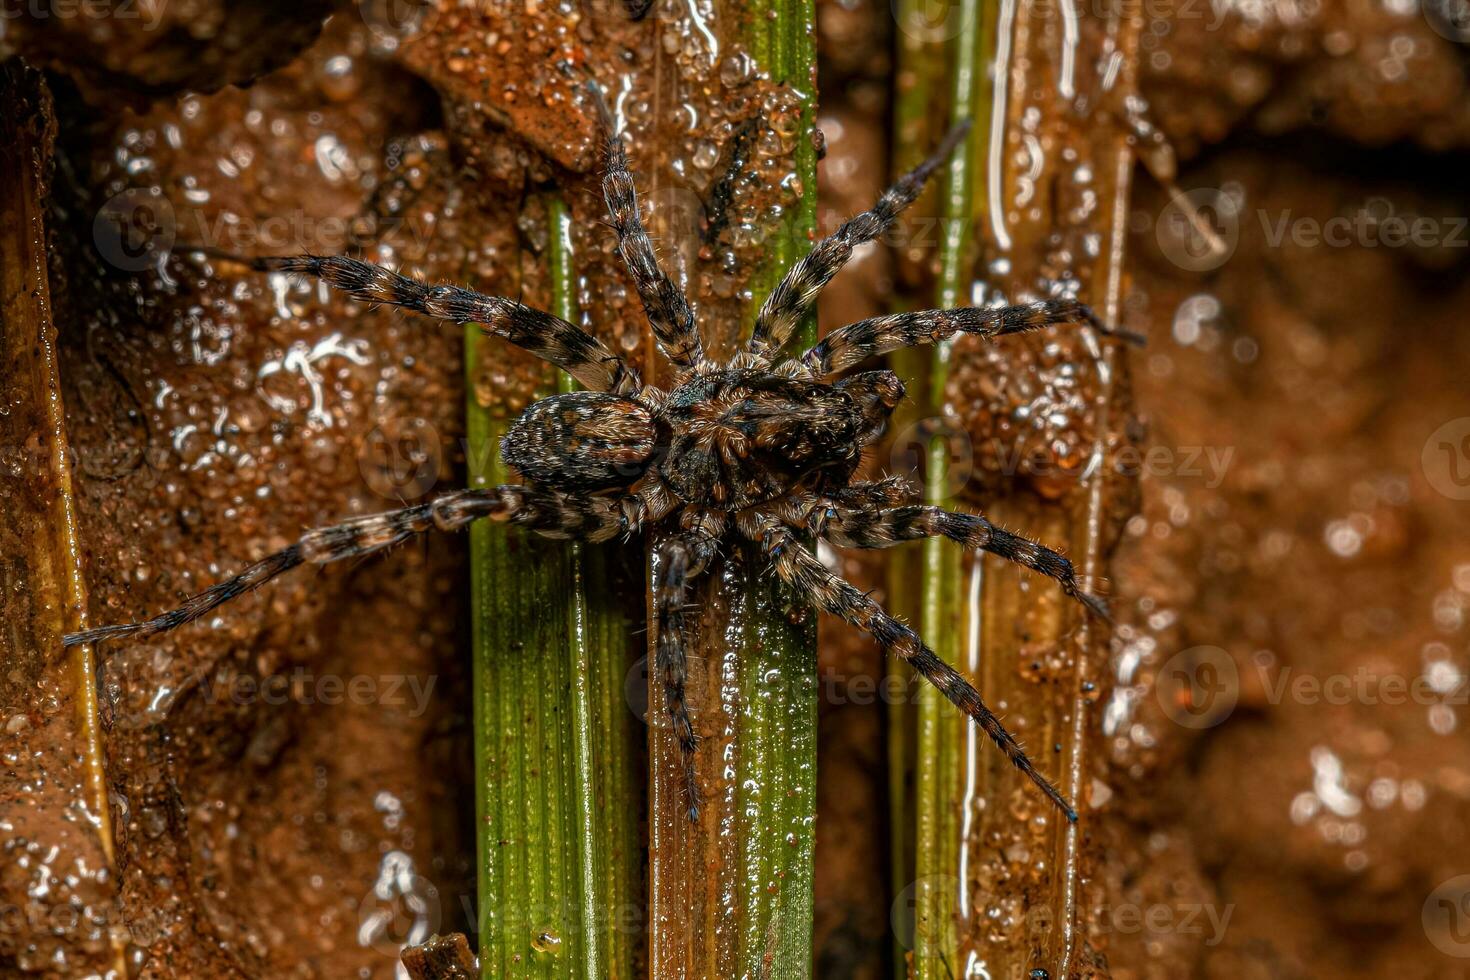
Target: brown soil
x: 1325, y: 548
x: 1290, y: 516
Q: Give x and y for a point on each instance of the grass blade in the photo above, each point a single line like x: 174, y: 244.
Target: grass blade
x: 966, y: 819
x: 939, y: 742
x: 732, y: 897
x: 556, y: 793
x: 928, y: 741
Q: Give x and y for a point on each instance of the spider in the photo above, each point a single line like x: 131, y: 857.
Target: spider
x: 759, y: 446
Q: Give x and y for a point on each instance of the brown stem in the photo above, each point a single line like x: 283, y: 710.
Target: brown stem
x: 52, y: 697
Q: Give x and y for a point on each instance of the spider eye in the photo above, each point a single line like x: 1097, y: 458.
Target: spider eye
x: 583, y: 440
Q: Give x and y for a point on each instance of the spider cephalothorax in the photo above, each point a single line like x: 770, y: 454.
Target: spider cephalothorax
x: 760, y: 447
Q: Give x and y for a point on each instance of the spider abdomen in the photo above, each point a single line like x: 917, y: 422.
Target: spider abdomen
x: 738, y: 438
x: 583, y: 440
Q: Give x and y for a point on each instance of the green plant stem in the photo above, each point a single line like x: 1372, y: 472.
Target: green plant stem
x: 932, y: 816
x: 778, y: 802
x: 938, y: 821
x: 555, y: 791
x: 732, y: 896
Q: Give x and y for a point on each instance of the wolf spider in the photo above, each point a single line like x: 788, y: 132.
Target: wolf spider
x: 761, y: 446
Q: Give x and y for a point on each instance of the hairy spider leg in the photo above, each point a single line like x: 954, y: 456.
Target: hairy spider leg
x: 549, y: 514
x: 549, y: 337
x: 678, y: 560
x: 890, y: 491
x: 797, y: 291
x: 801, y: 570
x: 664, y: 303
x: 882, y: 528
x: 851, y: 345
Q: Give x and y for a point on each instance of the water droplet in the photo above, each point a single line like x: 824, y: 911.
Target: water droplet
x: 706, y: 154
x: 736, y: 69
x: 546, y: 942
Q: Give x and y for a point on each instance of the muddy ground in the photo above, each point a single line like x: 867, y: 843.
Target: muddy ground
x: 1283, y: 785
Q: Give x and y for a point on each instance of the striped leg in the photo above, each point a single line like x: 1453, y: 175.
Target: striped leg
x: 890, y: 491
x: 664, y: 303
x: 677, y: 561
x: 801, y: 570
x: 856, y: 342
x: 550, y: 338
x: 550, y: 514
x: 794, y: 295
x: 858, y: 528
